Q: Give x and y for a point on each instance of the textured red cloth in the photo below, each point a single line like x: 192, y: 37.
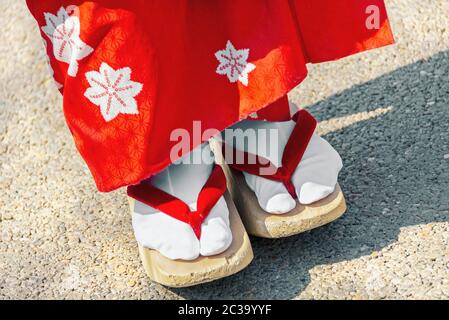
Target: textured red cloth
x: 133, y: 71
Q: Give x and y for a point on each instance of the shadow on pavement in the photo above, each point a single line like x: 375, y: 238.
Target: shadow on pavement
x: 395, y: 176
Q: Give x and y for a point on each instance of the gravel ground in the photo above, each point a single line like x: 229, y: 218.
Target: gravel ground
x: 386, y: 112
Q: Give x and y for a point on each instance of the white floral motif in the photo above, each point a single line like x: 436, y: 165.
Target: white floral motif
x: 113, y: 91
x: 233, y: 63
x: 253, y: 115
x: 64, y: 32
x: 50, y: 68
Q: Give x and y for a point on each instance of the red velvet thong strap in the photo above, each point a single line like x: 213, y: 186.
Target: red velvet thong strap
x: 209, y: 195
x: 293, y: 153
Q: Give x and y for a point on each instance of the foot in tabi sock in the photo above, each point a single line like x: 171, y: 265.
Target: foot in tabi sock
x: 176, y: 239
x: 314, y: 178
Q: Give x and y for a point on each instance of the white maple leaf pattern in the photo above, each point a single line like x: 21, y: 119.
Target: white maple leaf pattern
x: 113, y: 91
x: 253, y: 115
x: 64, y: 32
x: 50, y: 68
x: 234, y: 64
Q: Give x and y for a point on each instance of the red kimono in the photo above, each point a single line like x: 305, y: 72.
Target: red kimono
x: 132, y: 72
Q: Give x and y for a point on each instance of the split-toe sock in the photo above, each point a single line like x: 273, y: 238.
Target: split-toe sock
x: 314, y: 178
x: 171, y: 237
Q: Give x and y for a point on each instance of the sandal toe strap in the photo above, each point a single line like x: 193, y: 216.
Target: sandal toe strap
x: 162, y: 201
x: 293, y: 153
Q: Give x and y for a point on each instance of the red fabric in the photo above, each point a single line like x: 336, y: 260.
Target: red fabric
x: 277, y: 111
x: 212, y: 191
x: 293, y: 153
x: 168, y: 49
